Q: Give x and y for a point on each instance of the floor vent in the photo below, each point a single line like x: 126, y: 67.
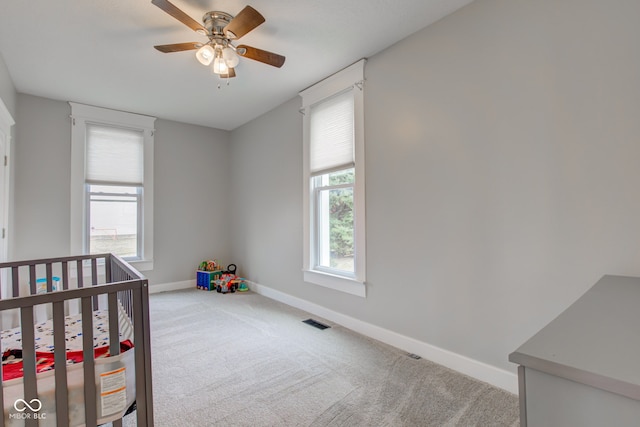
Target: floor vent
x: 315, y: 324
x: 414, y: 356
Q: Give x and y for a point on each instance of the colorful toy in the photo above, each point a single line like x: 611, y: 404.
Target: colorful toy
x: 227, y: 283
x: 206, y: 279
x: 210, y: 265
x: 231, y: 269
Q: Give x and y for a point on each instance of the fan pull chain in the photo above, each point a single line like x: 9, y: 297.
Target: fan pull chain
x: 228, y: 79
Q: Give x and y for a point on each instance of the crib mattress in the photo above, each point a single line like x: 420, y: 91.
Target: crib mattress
x: 11, y: 340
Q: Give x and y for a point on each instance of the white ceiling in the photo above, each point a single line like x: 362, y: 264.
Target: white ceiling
x: 100, y: 52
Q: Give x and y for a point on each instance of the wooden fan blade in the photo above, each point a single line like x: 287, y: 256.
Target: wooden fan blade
x: 245, y: 21
x: 230, y: 74
x: 172, y: 10
x: 263, y: 56
x: 178, y: 47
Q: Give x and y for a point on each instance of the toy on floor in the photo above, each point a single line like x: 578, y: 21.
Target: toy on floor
x: 231, y: 269
x: 208, y: 272
x: 227, y: 283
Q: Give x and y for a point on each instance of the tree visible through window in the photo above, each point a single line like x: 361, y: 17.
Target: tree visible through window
x: 336, y: 220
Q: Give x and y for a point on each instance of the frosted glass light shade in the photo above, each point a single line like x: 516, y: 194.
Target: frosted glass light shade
x: 220, y: 66
x: 230, y: 57
x: 205, y: 54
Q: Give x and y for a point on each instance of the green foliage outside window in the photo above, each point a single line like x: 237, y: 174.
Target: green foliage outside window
x: 341, y: 212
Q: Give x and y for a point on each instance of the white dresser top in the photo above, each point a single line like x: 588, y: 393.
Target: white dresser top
x: 596, y: 341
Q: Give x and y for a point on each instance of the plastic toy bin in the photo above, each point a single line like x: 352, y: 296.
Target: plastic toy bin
x: 204, y: 279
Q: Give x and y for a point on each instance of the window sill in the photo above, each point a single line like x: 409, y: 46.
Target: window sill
x: 338, y: 283
x: 142, y: 265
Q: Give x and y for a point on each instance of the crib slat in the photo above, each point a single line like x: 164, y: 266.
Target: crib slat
x: 28, y: 359
x: 94, y: 271
x: 114, y: 330
x: 60, y: 363
x: 32, y: 279
x: 15, y: 282
x: 49, y: 270
x: 65, y: 275
x: 94, y: 279
x: 90, y: 410
x: 80, y: 273
x: 107, y: 269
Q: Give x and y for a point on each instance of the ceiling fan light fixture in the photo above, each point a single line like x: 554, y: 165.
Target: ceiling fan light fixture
x: 220, y: 66
x: 231, y: 57
x: 205, y: 54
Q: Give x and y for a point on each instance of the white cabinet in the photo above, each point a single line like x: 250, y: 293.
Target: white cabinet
x: 583, y: 368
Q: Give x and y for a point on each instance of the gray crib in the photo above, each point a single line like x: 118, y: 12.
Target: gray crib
x: 96, y: 390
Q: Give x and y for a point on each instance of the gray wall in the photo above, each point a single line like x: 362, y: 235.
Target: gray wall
x: 191, y: 171
x: 267, y: 198
x: 190, y: 183
x: 41, y: 163
x: 502, y: 148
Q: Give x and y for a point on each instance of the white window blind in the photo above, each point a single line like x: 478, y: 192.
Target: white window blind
x: 332, y: 134
x: 114, y: 155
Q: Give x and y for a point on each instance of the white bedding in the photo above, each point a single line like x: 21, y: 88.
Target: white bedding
x: 12, y: 338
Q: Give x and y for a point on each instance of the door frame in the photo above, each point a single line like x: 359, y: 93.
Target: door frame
x: 6, y: 122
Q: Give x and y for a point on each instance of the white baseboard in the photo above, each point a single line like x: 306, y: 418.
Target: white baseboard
x: 173, y: 286
x: 484, y: 372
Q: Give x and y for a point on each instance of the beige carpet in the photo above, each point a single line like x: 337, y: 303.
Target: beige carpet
x: 245, y: 360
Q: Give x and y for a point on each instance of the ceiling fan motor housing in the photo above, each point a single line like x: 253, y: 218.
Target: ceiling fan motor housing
x: 215, y: 22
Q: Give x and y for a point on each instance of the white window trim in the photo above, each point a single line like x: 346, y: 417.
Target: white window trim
x: 351, y: 77
x: 81, y: 115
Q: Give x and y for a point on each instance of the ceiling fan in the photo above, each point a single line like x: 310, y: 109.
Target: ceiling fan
x: 222, y: 29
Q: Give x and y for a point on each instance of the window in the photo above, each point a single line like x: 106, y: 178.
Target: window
x: 114, y: 214
x: 112, y: 184
x: 334, y: 222
x: 334, y: 254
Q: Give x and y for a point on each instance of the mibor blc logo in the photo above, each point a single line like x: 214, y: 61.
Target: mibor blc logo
x: 34, y: 406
